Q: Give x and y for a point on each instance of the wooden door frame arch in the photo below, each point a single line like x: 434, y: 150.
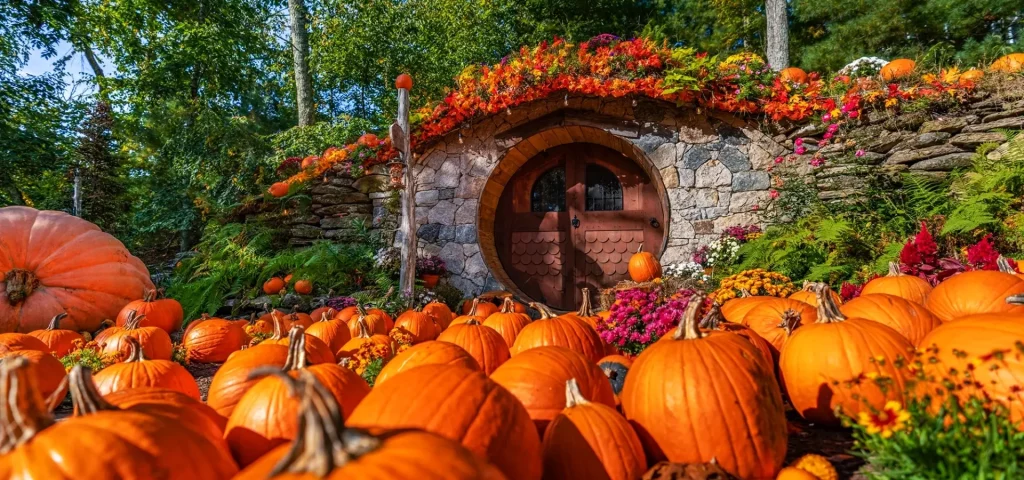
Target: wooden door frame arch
x: 528, y: 148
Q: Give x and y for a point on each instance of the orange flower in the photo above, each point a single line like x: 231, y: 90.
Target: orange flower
x: 890, y: 419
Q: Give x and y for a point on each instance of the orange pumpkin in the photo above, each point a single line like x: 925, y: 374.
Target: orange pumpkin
x: 47, y: 372
x: 298, y: 318
x: 403, y: 80
x: 317, y: 351
x: 735, y: 309
x: 303, y: 287
x: 332, y: 332
x: 363, y: 337
x: 972, y: 75
x: 714, y: 320
x: 586, y: 312
x: 793, y: 74
x: 254, y: 326
x: 138, y: 371
x: 643, y: 267
x: 156, y: 344
x: 807, y: 295
x: 774, y: 319
x: 58, y: 341
x: 273, y: 286
x: 1011, y: 63
x: 568, y: 332
x: 53, y: 263
x: 472, y: 314
x: 507, y: 323
x: 418, y: 324
x: 398, y: 454
x: 267, y: 414
x: 461, y: 404
x: 104, y: 442
x: 591, y: 440
x: 615, y: 368
x: 318, y: 314
x: 232, y: 379
x: 484, y: 308
x: 441, y: 314
x: 165, y: 313
x: 897, y: 69
x: 174, y: 403
x: 973, y: 293
x: 12, y: 342
x: 279, y: 189
x: 793, y: 473
x: 910, y: 319
x: 915, y: 289
x: 212, y: 340
x: 374, y: 322
x: 308, y: 162
x: 484, y: 344
x: 824, y: 364
x: 427, y: 353
x: 673, y: 419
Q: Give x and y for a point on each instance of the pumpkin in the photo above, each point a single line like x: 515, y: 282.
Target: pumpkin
x: 232, y: 380
x: 973, y: 293
x: 273, y: 286
x: 427, y: 353
x: 106, y: 442
x: 374, y: 322
x: 643, y: 267
x: 303, y: 287
x: 807, y: 295
x: 254, y: 326
x: 318, y: 313
x: 47, y: 372
x: 915, y: 289
x: 351, y: 347
x: 267, y: 415
x: 273, y: 316
x: 57, y: 341
x: 308, y: 162
x: 774, y: 319
x: 137, y: 371
x: 568, y: 332
x: 507, y: 323
x: 897, y: 69
x: 735, y: 309
x: 172, y: 400
x: 156, y: 343
x: 714, y: 320
x: 474, y: 313
x: 325, y: 449
x: 403, y: 80
x: 418, y: 324
x: 817, y: 465
x: 535, y: 376
x: 441, y: 314
x: 316, y: 350
x: 106, y: 329
x: 910, y: 319
x: 12, y: 342
x: 673, y: 405
x: 615, y: 368
x: 298, y: 318
x: 484, y: 308
x: 165, y: 313
x: 461, y: 404
x: 585, y: 312
x: 828, y: 364
x: 1006, y: 267
x: 972, y: 75
x: 1011, y: 63
x: 484, y: 344
x: 793, y: 473
x: 332, y: 332
x: 212, y: 340
x: 52, y: 263
x: 279, y: 189
x: 794, y: 75
x: 591, y: 440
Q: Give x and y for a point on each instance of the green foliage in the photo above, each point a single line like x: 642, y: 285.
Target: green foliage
x: 372, y: 370
x: 103, y: 173
x: 88, y: 357
x: 450, y: 296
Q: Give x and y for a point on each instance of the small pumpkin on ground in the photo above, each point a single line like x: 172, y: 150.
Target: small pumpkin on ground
x: 365, y: 336
x: 507, y: 323
x: 138, y: 371
x: 333, y: 332
x: 807, y: 295
x: 484, y: 344
x: 303, y: 287
x: 911, y: 319
x: 472, y: 314
x: 775, y: 319
x: 232, y: 379
x: 484, y: 307
x: 441, y: 314
x: 736, y: 308
x: 274, y: 286
x: 793, y: 74
x: 427, y: 353
x: 897, y: 69
x: 1011, y: 63
x: 973, y: 293
x: 212, y: 340
x: 373, y: 321
x: 568, y: 332
x: 46, y: 370
x: 591, y: 440
x: 165, y: 313
x: 643, y: 267
x: 909, y: 287
x: 318, y: 313
x: 156, y: 343
x: 418, y: 324
x: 58, y: 341
x: 298, y: 318
x: 816, y: 465
x: 793, y: 473
x: 316, y: 350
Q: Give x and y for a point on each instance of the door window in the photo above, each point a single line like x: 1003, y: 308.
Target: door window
x: 548, y: 192
x: 604, y: 192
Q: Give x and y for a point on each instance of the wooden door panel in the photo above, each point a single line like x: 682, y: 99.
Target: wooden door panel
x: 538, y: 263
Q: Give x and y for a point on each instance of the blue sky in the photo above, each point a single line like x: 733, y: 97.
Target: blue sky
x: 76, y: 68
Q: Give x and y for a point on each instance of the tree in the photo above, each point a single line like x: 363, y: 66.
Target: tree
x: 102, y: 172
x: 777, y: 39
x: 715, y: 26
x: 300, y: 52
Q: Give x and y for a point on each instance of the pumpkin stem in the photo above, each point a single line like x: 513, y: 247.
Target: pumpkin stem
x: 133, y: 320
x: 85, y: 398
x: 744, y: 293
x: 20, y: 284
x: 1004, y: 265
x: 364, y: 329
x: 23, y: 411
x: 545, y: 314
x: 472, y: 307
x: 135, y: 353
x: 148, y: 295
x: 689, y: 326
x: 296, y: 359
x: 472, y: 321
x: 278, y: 326
x: 640, y: 248
x: 586, y: 310
x: 894, y: 269
x: 573, y: 396
x: 55, y: 321
x: 713, y: 318
x: 1016, y: 299
x: 828, y: 311
x: 328, y: 315
x: 790, y: 320
x: 507, y: 306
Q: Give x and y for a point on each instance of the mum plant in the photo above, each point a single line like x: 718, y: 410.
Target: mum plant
x: 432, y: 265
x: 639, y: 316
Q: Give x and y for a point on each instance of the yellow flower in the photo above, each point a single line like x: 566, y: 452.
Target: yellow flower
x: 890, y: 419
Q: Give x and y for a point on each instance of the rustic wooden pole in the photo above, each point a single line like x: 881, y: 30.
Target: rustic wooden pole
x: 407, y: 277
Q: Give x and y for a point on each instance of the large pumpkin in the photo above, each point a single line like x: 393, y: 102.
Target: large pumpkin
x: 418, y: 324
x: 714, y: 320
x: 643, y: 267
x: 325, y: 449
x: 156, y: 343
x: 911, y: 319
x: 775, y: 319
x: 375, y: 322
x: 460, y: 404
x: 507, y: 322
x: 568, y: 332
x: 915, y: 289
x: 807, y: 295
x: 735, y: 309
x: 973, y: 293
x: 1011, y: 63
x: 676, y: 396
x: 484, y: 344
x: 267, y: 414
x: 138, y: 371
x: 58, y: 341
x: 212, y: 340
x: 830, y: 364
x: 897, y: 69
x: 427, y: 353
x: 331, y: 331
x: 52, y: 263
x: 12, y: 342
x: 591, y: 440
x: 232, y: 379
x: 535, y: 375
x: 165, y: 313
x: 106, y: 442
x: 175, y: 403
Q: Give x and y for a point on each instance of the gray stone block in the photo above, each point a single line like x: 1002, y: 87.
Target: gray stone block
x: 973, y: 140
x: 427, y: 198
x: 695, y: 157
x: 734, y: 159
x: 945, y: 162
x: 751, y: 180
x: 465, y: 233
x: 909, y: 156
x: 429, y: 232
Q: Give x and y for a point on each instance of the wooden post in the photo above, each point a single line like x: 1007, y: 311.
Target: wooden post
x: 407, y: 277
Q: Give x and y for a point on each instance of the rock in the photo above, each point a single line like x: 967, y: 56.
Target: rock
x: 732, y: 135
x: 998, y: 152
x: 687, y: 178
x: 447, y: 233
x: 680, y: 198
x: 973, y: 140
x: 681, y: 229
x: 813, y: 128
x: 905, y: 122
x: 332, y: 223
x: 446, y: 194
x: 750, y: 180
x: 448, y: 175
x: 341, y: 235
x: 945, y: 162
x: 453, y: 258
x: 332, y: 210
x: 884, y: 142
x: 746, y: 201
x: 736, y: 220
x: 1014, y: 123
x: 427, y: 198
x: 908, y: 156
x: 664, y: 155
x: 443, y: 213
x: 347, y: 181
x: 929, y: 139
x: 429, y: 232
x: 839, y: 194
x: 704, y: 227
x: 949, y: 125
x: 695, y: 157
x: 467, y: 212
x: 303, y: 219
x: 305, y: 231
x: 372, y: 183
x: 470, y: 187
x: 465, y: 233
x: 1015, y: 112
x: 734, y: 159
x: 670, y: 177
x: 713, y: 174
x: 330, y: 189
x: 696, y: 129
x: 339, y: 199
x: 871, y: 158
x: 706, y: 197
x: 475, y: 266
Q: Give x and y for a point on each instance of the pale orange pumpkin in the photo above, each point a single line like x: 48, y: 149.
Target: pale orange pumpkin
x: 973, y: 293
x: 915, y: 289
x: 427, y: 353
x: 643, y: 267
x: 58, y: 341
x: 483, y: 343
x: 910, y: 319
x: 793, y: 74
x: 1011, y: 63
x: 897, y: 69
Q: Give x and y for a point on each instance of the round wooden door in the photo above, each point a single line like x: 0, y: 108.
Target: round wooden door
x: 571, y: 217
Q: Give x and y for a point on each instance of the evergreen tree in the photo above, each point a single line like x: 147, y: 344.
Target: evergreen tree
x: 101, y: 172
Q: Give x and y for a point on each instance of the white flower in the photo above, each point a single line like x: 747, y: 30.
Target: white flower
x: 864, y: 67
x: 691, y: 270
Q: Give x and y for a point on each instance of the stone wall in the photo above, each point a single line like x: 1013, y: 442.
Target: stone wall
x: 337, y: 201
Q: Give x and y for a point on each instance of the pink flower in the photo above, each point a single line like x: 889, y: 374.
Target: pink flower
x: 798, y: 142
x: 827, y: 136
x: 817, y: 161
x: 779, y: 159
x: 833, y: 128
x: 860, y: 153
x: 755, y: 208
x: 800, y: 150
x: 773, y: 193
x: 826, y: 117
x: 854, y: 114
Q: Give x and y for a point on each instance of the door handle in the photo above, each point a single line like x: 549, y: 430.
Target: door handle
x: 575, y: 222
x: 655, y: 223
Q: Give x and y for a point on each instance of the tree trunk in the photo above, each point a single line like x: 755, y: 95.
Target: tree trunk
x: 778, y: 34
x: 300, y: 53
x: 407, y: 275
